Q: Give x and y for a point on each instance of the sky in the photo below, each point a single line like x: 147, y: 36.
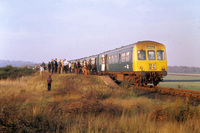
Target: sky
x: 39, y: 30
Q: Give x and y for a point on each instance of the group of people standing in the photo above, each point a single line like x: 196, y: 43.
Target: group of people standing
x: 60, y: 66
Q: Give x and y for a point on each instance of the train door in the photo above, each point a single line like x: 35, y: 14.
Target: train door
x: 103, y: 63
x: 97, y: 64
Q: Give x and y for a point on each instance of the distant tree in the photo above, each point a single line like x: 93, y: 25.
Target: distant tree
x: 183, y: 69
x: 14, y: 72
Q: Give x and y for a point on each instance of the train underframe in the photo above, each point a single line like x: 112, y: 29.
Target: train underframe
x: 139, y: 78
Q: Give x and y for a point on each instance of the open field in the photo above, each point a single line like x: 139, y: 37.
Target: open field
x: 79, y: 104
x: 184, y: 81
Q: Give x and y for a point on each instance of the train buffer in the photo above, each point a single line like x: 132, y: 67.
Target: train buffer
x: 108, y: 81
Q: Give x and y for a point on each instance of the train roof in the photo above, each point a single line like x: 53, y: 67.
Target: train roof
x: 114, y: 50
x: 84, y: 58
x: 124, y: 47
x: 120, y: 48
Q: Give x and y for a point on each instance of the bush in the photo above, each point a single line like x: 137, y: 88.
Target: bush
x: 14, y: 72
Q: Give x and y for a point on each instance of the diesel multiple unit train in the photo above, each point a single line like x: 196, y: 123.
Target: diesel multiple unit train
x: 141, y: 63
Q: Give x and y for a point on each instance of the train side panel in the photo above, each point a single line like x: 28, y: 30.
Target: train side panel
x: 120, y: 61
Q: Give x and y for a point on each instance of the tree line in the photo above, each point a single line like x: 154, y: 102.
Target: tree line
x: 14, y: 72
x: 183, y: 69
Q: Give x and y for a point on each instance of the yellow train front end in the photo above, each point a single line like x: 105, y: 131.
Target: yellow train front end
x: 150, y: 61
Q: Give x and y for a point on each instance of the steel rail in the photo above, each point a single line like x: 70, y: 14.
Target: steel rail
x: 171, y: 91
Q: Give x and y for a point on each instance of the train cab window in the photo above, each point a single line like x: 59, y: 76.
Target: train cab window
x: 160, y: 55
x: 151, y: 55
x: 141, y: 55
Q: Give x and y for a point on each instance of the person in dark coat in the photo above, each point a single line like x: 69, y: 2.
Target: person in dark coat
x: 89, y: 67
x: 49, y: 81
x: 77, y: 66
x: 59, y: 66
x: 52, y: 66
x: 49, y: 67
x: 56, y: 65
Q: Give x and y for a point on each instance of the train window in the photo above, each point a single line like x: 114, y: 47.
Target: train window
x: 151, y: 55
x: 100, y: 61
x: 160, y: 55
x: 103, y: 60
x: 127, y: 56
x: 109, y: 59
x: 131, y: 56
x: 93, y: 61
x: 123, y: 57
x: 141, y: 55
x: 113, y: 59
x: 116, y: 58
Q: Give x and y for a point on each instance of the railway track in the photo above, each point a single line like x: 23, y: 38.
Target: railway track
x: 171, y: 91
x: 158, y: 89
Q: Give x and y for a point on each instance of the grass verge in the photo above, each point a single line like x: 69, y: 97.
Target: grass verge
x: 79, y: 104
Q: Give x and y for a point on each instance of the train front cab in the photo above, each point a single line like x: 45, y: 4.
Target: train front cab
x: 150, y: 62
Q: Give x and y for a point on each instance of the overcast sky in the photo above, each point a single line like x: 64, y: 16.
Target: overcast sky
x: 39, y: 30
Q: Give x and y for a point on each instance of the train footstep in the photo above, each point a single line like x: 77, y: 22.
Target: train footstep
x: 108, y: 81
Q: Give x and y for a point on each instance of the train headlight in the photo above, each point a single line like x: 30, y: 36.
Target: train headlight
x: 141, y: 68
x: 163, y: 68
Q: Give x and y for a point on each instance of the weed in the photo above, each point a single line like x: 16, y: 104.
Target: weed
x: 179, y: 86
x: 126, y: 84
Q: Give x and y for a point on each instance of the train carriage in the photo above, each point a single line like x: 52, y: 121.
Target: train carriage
x: 142, y: 63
